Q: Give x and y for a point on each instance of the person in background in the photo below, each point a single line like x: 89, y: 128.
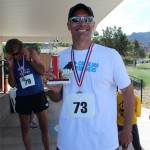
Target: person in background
x: 120, y: 120
x: 89, y: 110
x: 25, y: 71
x: 32, y: 123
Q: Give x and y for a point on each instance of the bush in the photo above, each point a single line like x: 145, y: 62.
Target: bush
x: 128, y: 60
x: 138, y: 84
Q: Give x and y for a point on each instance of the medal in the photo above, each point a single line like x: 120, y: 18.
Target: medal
x: 79, y: 92
x: 79, y: 79
x: 22, y: 70
x: 23, y: 79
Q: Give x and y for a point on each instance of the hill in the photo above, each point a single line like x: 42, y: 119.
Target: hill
x: 143, y: 38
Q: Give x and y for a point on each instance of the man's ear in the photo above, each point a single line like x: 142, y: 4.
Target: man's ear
x: 68, y: 24
x: 93, y: 24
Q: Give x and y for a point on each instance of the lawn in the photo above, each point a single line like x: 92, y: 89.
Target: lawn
x: 140, y: 72
x: 143, y: 65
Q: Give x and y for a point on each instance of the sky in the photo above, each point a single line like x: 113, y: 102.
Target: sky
x: 130, y: 15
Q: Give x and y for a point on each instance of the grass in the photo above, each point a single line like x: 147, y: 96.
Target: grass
x: 140, y: 72
x: 143, y: 65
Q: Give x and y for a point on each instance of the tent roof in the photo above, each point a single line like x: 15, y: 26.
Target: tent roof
x: 44, y: 20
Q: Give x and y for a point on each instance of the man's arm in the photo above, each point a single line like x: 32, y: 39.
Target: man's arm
x: 11, y: 78
x: 129, y: 105
x: 10, y: 66
x: 55, y: 97
x: 36, y: 62
x: 55, y: 92
x: 125, y: 135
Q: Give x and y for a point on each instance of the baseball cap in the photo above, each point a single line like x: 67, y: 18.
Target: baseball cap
x: 77, y: 7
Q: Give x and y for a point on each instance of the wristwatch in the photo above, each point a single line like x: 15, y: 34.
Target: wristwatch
x: 31, y: 60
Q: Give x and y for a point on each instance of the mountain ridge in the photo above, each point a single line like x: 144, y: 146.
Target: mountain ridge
x: 143, y: 38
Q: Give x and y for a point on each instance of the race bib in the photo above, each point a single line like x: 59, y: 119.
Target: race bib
x: 27, y: 81
x: 80, y: 105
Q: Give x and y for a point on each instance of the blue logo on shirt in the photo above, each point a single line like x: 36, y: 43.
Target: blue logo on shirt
x: 91, y: 67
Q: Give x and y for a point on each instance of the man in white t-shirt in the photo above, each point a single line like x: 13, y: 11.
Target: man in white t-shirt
x: 89, y: 110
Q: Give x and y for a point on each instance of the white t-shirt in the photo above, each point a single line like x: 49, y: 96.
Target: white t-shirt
x: 89, y: 123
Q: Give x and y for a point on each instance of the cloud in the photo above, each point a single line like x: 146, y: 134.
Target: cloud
x: 130, y: 15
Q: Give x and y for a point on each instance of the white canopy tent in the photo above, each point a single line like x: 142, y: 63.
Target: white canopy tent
x: 43, y: 21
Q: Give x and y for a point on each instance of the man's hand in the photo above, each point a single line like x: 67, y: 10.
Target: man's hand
x: 9, y: 61
x: 125, y: 137
x: 55, y: 92
x: 50, y: 76
x: 26, y: 53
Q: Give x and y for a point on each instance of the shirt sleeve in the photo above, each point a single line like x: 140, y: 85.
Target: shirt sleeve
x: 121, y: 76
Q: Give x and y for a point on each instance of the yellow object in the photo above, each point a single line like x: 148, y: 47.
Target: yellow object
x: 120, y: 110
x: 6, y: 83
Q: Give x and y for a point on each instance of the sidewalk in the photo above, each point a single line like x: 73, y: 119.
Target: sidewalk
x: 144, y: 128
x: 10, y: 134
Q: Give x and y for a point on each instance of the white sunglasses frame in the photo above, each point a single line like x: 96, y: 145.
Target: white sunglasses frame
x: 81, y: 18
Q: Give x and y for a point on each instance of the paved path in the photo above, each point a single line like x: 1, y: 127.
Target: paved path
x: 144, y: 128
x: 10, y: 135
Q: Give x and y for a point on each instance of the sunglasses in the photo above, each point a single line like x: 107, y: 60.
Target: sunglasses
x: 15, y: 54
x: 77, y: 19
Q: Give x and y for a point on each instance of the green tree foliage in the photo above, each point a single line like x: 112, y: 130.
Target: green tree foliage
x: 96, y: 38
x: 148, y: 55
x: 64, y: 44
x: 35, y: 46
x: 135, y: 50
x: 115, y: 38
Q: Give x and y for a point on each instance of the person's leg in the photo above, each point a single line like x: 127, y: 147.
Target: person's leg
x: 41, y: 104
x: 24, y: 120
x: 31, y: 117
x: 43, y: 122
x: 136, y: 140
x: 32, y: 124
x: 23, y: 108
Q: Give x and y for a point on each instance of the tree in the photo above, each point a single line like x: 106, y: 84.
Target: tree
x: 96, y: 38
x: 113, y: 38
x: 135, y: 50
x: 148, y: 55
x: 35, y: 46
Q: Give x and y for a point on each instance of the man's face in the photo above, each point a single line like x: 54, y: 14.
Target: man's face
x: 81, y: 28
x: 17, y: 54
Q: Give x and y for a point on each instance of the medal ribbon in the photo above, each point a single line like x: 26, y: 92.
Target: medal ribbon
x: 22, y: 70
x: 79, y: 80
